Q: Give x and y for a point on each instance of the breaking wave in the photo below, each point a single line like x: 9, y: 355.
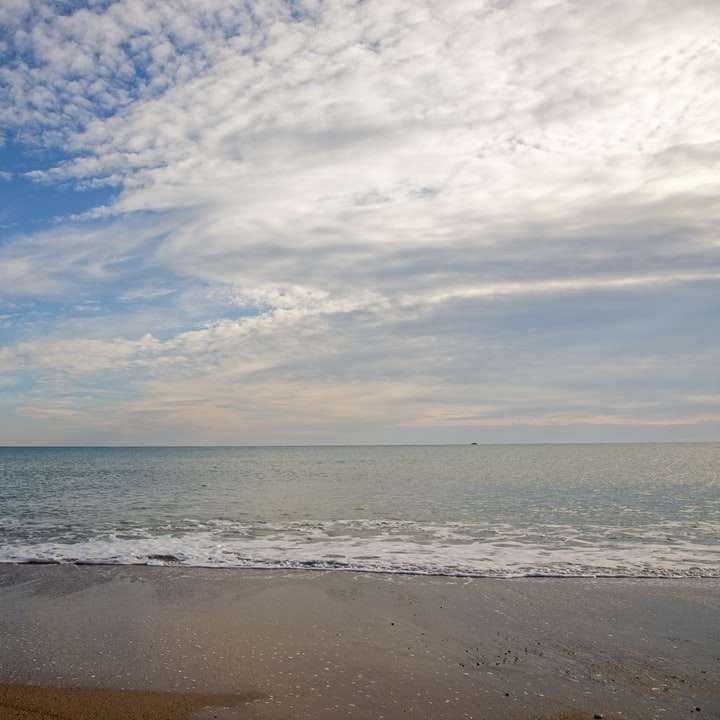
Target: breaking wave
x: 669, y: 550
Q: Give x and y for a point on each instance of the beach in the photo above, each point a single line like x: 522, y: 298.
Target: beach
x: 174, y: 642
x: 359, y: 360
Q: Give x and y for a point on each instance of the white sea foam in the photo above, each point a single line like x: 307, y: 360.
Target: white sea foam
x: 459, y: 549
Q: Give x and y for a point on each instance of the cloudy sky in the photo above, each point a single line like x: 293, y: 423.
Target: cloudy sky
x: 334, y: 221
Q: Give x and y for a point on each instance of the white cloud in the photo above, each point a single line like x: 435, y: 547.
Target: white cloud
x: 562, y: 285
x: 363, y: 179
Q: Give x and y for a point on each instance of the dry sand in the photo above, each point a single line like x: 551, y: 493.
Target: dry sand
x: 32, y: 703
x: 266, y: 644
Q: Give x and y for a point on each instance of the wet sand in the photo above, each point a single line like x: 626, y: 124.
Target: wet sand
x: 172, y: 643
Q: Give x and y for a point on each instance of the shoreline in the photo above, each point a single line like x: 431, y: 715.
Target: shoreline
x: 317, y: 644
x: 309, y: 567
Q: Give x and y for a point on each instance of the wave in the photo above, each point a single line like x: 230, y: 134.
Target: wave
x: 398, y: 547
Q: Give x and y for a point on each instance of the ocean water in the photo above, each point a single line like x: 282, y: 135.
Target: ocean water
x: 498, y: 511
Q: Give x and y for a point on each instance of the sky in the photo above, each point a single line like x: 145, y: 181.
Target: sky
x: 359, y: 221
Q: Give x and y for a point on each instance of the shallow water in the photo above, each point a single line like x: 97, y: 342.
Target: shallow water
x: 504, y: 510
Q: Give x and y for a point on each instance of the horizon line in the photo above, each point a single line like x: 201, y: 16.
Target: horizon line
x: 359, y: 445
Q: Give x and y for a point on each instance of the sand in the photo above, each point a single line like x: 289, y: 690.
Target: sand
x: 193, y: 643
x: 31, y: 703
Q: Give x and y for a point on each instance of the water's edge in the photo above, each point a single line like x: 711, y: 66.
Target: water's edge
x: 319, y: 567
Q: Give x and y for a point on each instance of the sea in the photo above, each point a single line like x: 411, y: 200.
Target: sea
x: 506, y: 511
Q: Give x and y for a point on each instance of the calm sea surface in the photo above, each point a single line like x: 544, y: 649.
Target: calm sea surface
x: 505, y: 510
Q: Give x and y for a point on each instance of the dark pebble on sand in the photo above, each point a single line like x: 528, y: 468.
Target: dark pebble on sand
x: 597, y: 716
